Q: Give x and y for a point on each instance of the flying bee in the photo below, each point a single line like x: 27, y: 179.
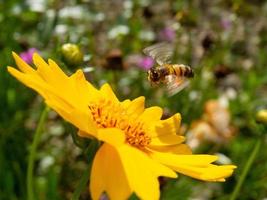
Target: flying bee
x: 175, y: 76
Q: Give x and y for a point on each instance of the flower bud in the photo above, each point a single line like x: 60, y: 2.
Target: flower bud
x: 261, y: 116
x: 72, y: 54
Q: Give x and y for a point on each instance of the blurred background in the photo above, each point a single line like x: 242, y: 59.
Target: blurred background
x: 225, y: 42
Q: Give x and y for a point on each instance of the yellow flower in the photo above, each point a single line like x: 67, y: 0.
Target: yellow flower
x: 214, y: 125
x: 138, y: 146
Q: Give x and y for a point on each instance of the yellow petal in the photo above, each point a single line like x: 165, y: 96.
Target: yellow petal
x: 32, y: 81
x: 125, y: 103
x: 43, y: 69
x: 75, y: 89
x: 38, y: 60
x: 108, y: 93
x: 46, y: 73
x: 23, y: 66
x: 84, y: 134
x: 82, y: 119
x: 217, y: 173
x: 108, y: 175
x: 142, y: 172
x: 57, y: 71
x: 208, y: 173
x: 165, y: 140
x: 169, y: 126
x: 69, y: 105
x: 176, y: 160
x: 151, y: 114
x: 136, y: 107
x: 196, y: 166
x: 112, y: 136
x: 175, y: 149
x: 82, y: 90
x: 122, y: 170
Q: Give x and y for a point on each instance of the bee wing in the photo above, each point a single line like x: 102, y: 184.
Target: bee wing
x: 175, y: 84
x: 161, y: 52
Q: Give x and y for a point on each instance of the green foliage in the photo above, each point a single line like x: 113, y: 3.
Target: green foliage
x: 208, y: 35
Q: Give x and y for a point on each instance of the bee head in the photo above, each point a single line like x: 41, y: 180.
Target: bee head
x: 154, y: 75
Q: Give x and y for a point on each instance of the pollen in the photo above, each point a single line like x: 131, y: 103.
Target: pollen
x: 108, y: 114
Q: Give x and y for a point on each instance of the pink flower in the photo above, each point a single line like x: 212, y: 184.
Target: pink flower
x: 226, y: 23
x: 146, y: 62
x: 27, y: 55
x: 167, y: 34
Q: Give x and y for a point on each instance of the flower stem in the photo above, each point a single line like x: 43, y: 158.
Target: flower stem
x: 89, y: 152
x: 82, y: 183
x: 36, y: 139
x: 246, y: 168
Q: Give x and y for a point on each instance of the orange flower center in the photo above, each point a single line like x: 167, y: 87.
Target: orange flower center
x: 107, y: 114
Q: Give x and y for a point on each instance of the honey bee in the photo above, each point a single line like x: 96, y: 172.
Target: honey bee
x: 174, y: 76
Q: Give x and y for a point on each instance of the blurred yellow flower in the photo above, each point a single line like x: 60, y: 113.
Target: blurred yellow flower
x: 137, y: 146
x: 214, y: 125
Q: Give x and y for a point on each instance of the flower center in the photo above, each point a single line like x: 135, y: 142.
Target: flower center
x: 107, y: 114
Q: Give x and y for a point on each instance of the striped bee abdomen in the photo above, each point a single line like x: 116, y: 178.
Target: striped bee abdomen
x: 183, y: 70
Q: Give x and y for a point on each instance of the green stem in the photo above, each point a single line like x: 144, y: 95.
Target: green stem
x: 90, y: 152
x: 82, y: 183
x: 246, y: 169
x: 36, y: 139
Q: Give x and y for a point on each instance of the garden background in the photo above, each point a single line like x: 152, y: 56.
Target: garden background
x: 225, y: 42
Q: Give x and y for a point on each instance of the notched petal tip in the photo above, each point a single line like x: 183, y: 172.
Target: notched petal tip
x: 195, y: 166
x: 167, y: 140
x: 174, y: 121
x: 107, y: 91
x: 36, y: 55
x: 140, y: 99
x: 14, y: 54
x: 38, y: 60
x: 151, y: 114
x: 13, y: 71
x: 78, y: 75
x: 105, y: 86
x: 10, y: 68
x: 136, y: 106
x: 22, y: 65
x: 216, y: 173
x: 170, y: 126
